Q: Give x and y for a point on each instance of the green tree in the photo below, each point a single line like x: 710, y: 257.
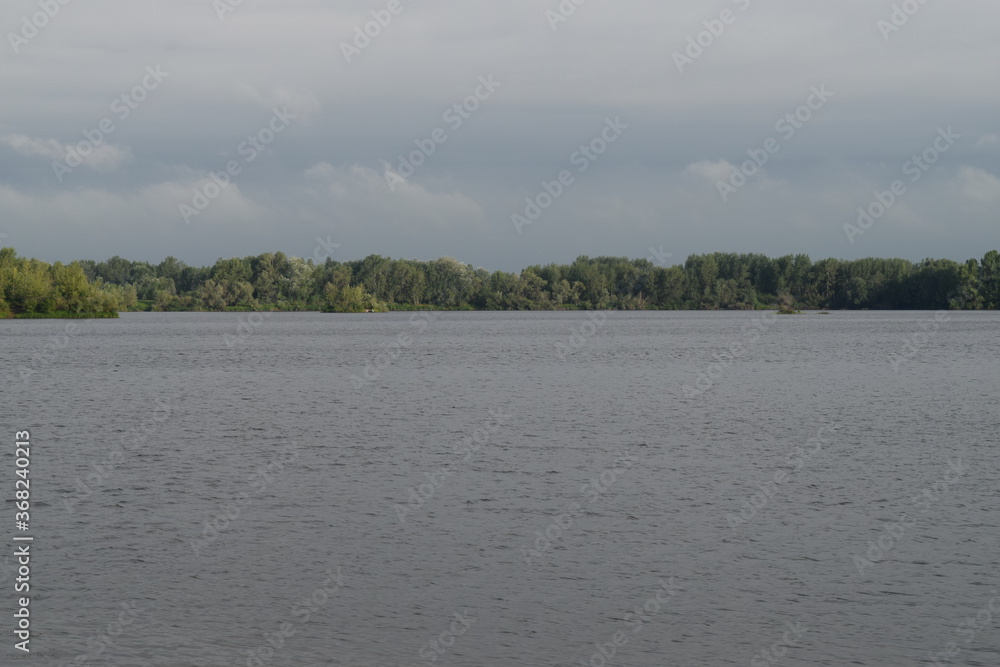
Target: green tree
x: 989, y: 280
x: 968, y: 295
x: 163, y: 300
x: 349, y: 299
x: 212, y: 295
x: 72, y: 291
x: 238, y: 292
x: 170, y: 268
x: 31, y: 287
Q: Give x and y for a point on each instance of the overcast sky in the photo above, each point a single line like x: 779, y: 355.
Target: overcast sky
x: 199, y: 81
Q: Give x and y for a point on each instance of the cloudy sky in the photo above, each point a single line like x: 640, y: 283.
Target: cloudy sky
x: 115, y: 115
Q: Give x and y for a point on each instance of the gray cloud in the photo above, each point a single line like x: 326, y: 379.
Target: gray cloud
x: 325, y: 174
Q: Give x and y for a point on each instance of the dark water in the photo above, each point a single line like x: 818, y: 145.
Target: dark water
x: 385, y: 473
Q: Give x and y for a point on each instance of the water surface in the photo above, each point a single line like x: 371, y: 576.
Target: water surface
x: 425, y: 457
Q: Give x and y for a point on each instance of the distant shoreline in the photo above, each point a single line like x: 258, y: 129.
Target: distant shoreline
x: 810, y: 311
x: 64, y: 316
x: 276, y: 282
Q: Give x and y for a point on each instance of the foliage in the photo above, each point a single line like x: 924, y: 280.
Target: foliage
x: 30, y: 288
x: 275, y: 281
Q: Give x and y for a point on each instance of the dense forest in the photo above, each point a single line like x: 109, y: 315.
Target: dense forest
x: 275, y: 281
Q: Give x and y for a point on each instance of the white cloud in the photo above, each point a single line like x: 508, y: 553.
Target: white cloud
x: 104, y: 157
x: 712, y: 171
x: 989, y: 141
x: 978, y: 184
x: 29, y: 147
x: 363, y: 196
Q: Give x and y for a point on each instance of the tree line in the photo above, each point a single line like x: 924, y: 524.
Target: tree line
x: 275, y: 281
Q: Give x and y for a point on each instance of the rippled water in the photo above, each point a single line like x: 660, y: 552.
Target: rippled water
x: 562, y: 481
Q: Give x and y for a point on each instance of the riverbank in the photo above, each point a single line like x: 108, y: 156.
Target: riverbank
x: 62, y: 315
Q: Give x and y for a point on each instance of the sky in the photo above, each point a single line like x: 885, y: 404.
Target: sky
x: 504, y: 134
